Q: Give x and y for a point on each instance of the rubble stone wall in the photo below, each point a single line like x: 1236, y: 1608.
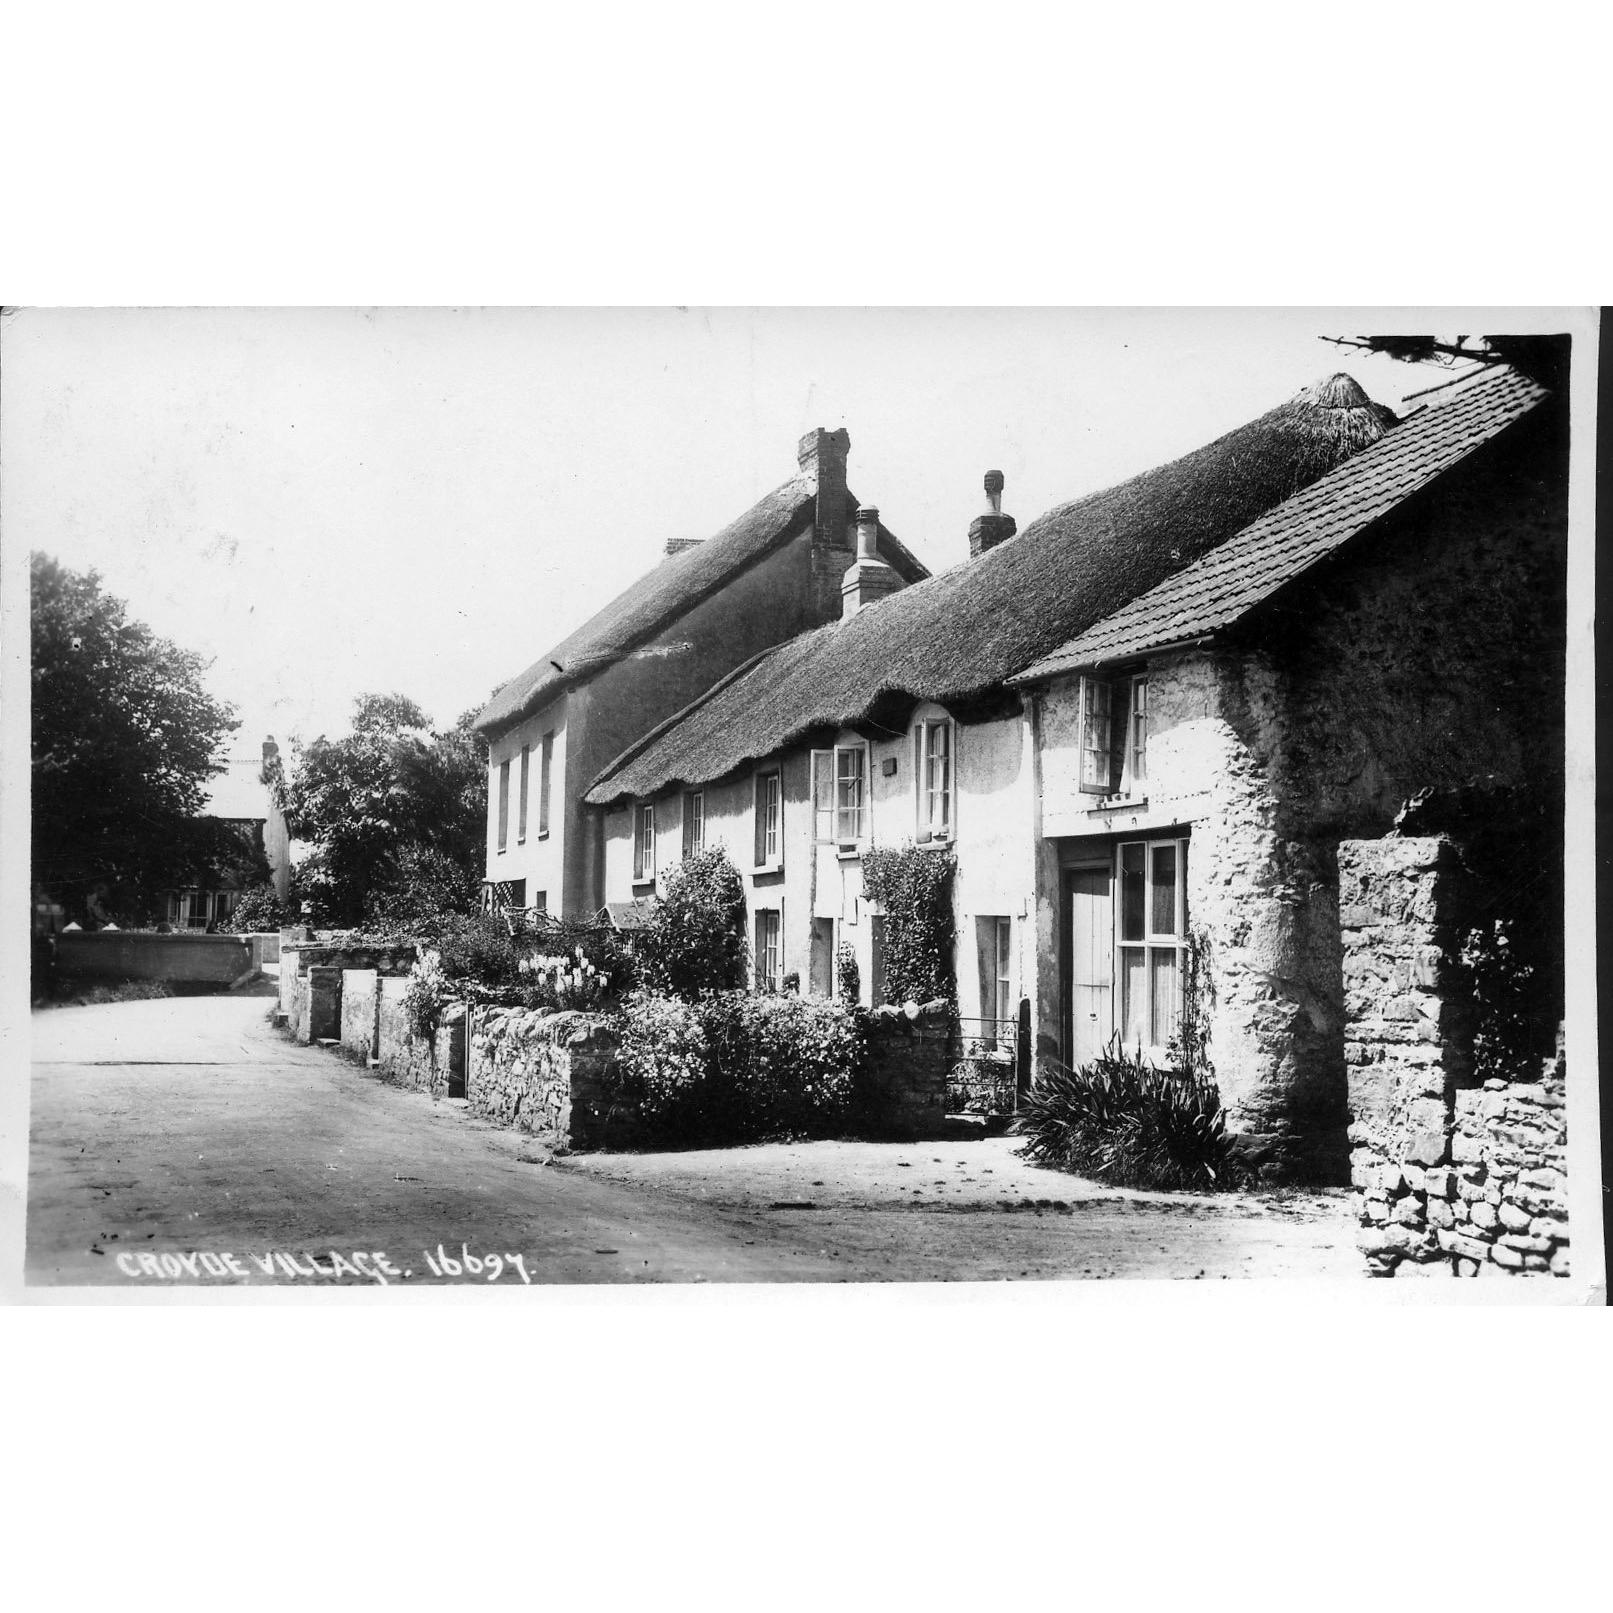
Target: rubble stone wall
x: 905, y: 1083
x: 549, y: 1073
x: 1450, y: 1177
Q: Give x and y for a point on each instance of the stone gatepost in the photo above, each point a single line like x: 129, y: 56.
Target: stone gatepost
x: 1407, y: 1036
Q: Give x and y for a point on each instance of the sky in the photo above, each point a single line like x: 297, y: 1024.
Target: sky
x: 334, y: 502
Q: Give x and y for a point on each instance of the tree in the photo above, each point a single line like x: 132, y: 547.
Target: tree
x: 395, y: 813
x: 125, y: 737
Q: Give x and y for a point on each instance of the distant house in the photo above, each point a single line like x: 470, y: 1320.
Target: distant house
x: 900, y: 723
x: 242, y: 799
x: 708, y: 607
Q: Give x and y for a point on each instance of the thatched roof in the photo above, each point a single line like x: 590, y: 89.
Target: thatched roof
x: 1250, y: 567
x: 960, y: 635
x: 679, y: 583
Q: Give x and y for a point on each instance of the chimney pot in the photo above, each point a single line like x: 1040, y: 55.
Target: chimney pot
x: 868, y: 533
x: 988, y: 530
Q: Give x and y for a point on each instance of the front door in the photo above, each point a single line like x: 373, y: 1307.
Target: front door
x: 1090, y: 962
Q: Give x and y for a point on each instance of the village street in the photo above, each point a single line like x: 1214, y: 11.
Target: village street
x: 183, y: 1142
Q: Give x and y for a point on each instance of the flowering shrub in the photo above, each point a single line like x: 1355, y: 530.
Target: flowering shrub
x: 664, y: 1059
x: 732, y: 1067
x: 426, y: 996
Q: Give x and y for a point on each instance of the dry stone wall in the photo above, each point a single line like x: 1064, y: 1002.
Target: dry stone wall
x: 1450, y: 1177
x: 910, y: 1052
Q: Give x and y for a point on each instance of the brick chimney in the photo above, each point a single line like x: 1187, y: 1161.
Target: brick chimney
x: 822, y: 455
x: 988, y: 530
x: 869, y: 578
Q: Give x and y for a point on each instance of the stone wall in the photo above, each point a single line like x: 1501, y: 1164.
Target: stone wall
x: 549, y: 1073
x: 1450, y: 1177
x: 904, y: 1088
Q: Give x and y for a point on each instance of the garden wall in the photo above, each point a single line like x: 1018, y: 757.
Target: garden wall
x: 1450, y: 1176
x: 550, y: 1073
x: 178, y: 959
x: 909, y: 1057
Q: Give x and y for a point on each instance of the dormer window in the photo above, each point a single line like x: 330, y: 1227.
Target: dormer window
x: 932, y: 773
x: 1114, y: 735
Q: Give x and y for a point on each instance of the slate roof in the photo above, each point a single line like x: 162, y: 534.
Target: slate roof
x: 1218, y: 589
x: 966, y: 631
x: 661, y: 596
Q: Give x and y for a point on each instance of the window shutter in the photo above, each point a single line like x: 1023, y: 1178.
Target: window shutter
x: 688, y: 826
x: 1097, y: 737
x: 761, y: 821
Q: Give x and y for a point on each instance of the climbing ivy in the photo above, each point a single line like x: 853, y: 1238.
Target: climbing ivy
x: 914, y: 886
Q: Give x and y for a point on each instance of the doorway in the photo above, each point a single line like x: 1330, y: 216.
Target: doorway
x: 1088, y: 961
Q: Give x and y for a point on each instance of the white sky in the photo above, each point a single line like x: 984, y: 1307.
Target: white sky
x: 422, y: 501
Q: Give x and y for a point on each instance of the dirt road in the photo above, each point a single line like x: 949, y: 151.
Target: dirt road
x: 183, y: 1142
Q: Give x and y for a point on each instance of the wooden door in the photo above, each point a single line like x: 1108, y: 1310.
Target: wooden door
x: 1090, y: 956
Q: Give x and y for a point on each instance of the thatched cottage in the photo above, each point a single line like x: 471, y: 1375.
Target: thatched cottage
x: 899, y: 722
x: 707, y: 607
x: 1385, y: 646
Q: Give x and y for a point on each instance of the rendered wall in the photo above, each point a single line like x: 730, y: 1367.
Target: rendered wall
x: 178, y: 959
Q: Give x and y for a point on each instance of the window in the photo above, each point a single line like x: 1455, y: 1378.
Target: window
x: 644, y: 844
x: 823, y: 797
x: 1136, y: 770
x: 545, y: 766
x: 1114, y: 735
x: 503, y: 805
x: 540, y: 901
x: 769, y: 967
x: 769, y: 828
x: 851, y: 787
x: 1150, y: 939
x: 694, y: 823
x: 196, y: 908
x: 1003, y: 996
x: 526, y: 776
x: 933, y: 775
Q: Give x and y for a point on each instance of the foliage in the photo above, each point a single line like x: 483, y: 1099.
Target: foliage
x: 695, y: 942
x: 914, y: 886
x: 258, y: 910
x: 426, y: 884
x: 125, y: 737
x: 1189, y: 1046
x: 1507, y: 1039
x: 395, y: 812
x: 848, y: 977
x: 734, y: 1067
x: 984, y: 1081
x: 665, y: 1061
x: 1123, y: 1121
x: 122, y: 991
x: 426, y: 997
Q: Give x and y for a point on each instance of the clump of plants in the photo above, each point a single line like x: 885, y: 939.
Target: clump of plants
x: 731, y: 1067
x: 914, y: 886
x: 1127, y: 1122
x: 695, y: 942
x: 1510, y: 1033
x: 259, y: 910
